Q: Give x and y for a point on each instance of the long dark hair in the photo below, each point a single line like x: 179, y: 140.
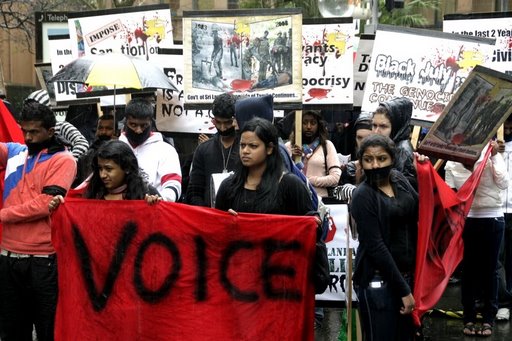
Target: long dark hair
x: 267, y: 189
x: 322, y: 132
x: 121, y: 154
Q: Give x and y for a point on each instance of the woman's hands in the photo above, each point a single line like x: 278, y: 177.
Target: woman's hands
x: 297, y: 150
x: 55, y: 202
x: 408, y: 304
x: 152, y: 199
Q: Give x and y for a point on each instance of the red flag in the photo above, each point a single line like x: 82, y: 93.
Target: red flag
x: 130, y: 271
x: 9, y: 132
x: 442, y: 213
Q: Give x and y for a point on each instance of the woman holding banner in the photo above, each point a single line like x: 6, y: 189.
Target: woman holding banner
x: 385, y: 209
x: 259, y: 184
x: 116, y: 176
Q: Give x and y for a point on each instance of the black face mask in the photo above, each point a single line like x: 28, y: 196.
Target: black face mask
x: 377, y: 176
x: 103, y: 138
x: 35, y: 148
x: 507, y: 138
x: 137, y: 139
x: 228, y: 132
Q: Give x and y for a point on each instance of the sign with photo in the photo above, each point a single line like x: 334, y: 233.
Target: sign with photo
x: 250, y: 53
x: 327, y: 61
x: 497, y: 25
x: 428, y: 72
x: 471, y: 118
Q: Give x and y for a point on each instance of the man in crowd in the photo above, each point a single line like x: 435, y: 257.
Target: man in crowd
x: 157, y: 158
x: 35, y: 173
x: 217, y: 155
x: 104, y: 132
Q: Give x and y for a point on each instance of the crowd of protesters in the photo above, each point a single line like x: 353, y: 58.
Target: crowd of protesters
x: 260, y: 174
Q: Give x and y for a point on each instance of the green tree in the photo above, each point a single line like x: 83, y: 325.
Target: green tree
x: 412, y: 15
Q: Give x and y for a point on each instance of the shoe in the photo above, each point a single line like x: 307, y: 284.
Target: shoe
x: 469, y: 329
x: 503, y: 314
x: 485, y: 331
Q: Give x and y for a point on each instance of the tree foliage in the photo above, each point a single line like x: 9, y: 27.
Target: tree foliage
x: 17, y: 17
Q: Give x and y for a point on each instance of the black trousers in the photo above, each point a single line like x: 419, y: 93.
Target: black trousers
x: 28, y: 296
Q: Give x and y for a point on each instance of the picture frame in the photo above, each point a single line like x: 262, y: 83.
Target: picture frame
x: 472, y: 118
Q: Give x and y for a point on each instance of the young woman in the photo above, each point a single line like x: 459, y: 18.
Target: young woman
x: 116, y: 176
x: 393, y: 119
x: 259, y: 184
x: 319, y: 156
x: 385, y: 209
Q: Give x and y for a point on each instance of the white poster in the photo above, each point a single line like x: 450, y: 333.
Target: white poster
x: 336, y: 242
x: 426, y: 66
x: 135, y: 31
x: 327, y: 61
x: 489, y: 25
x: 362, y: 61
x: 170, y: 113
x: 60, y: 55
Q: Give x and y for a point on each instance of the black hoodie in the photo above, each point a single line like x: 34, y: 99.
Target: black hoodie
x: 400, y: 112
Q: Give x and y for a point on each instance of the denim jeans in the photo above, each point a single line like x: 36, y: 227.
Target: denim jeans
x: 28, y: 296
x: 379, y: 310
x: 482, y: 240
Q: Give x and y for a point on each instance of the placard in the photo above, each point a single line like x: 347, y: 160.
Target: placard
x: 233, y: 51
x: 423, y: 65
x: 472, y: 118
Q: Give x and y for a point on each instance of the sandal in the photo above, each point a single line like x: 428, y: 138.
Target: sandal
x: 469, y: 329
x: 486, y: 330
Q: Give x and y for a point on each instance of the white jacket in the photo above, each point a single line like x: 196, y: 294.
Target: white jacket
x: 488, y: 196
x: 160, y: 161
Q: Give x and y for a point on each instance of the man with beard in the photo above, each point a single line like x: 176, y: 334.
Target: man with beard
x: 217, y: 155
x: 35, y: 173
x: 104, y: 132
x: 157, y: 158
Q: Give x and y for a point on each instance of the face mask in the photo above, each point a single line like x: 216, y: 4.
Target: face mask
x: 508, y: 137
x: 228, y: 132
x: 103, y: 138
x: 35, y: 148
x: 377, y: 176
x: 137, y: 139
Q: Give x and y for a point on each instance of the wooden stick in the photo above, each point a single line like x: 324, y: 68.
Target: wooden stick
x: 438, y: 164
x: 415, y: 136
x: 298, y: 132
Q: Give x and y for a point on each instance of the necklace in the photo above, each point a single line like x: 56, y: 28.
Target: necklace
x: 225, y: 160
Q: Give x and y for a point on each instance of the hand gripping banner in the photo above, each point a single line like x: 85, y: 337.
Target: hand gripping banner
x: 130, y: 271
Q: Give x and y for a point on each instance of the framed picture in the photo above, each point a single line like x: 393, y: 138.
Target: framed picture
x: 471, y: 118
x: 249, y: 53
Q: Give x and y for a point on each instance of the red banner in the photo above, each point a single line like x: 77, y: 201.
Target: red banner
x: 130, y: 271
x: 9, y: 132
x: 442, y: 214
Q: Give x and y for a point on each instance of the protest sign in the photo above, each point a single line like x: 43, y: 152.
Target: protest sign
x: 178, y: 272
x: 496, y: 25
x: 327, y: 62
x: 134, y: 31
x: 250, y: 53
x: 336, y: 243
x: 471, y: 118
x: 361, y: 66
x: 428, y: 72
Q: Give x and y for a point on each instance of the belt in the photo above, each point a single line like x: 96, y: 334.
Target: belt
x: 23, y: 255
